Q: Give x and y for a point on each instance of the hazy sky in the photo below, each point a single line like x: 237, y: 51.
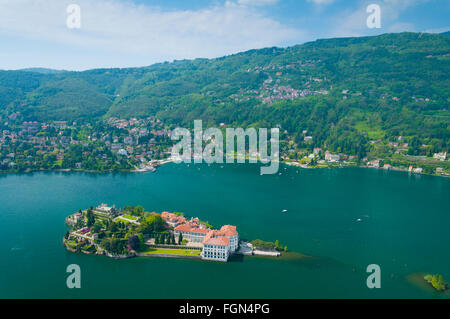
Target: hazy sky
x: 122, y: 33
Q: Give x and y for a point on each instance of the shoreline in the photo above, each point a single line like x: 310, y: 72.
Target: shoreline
x: 256, y: 253
x: 293, y: 164
x: 75, y: 170
x: 168, y: 256
x: 163, y: 162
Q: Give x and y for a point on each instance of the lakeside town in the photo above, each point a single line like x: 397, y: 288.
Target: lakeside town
x: 111, y: 145
x: 141, y: 145
x: 315, y: 160
x: 132, y: 232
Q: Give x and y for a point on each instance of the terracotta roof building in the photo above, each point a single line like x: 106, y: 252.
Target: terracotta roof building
x: 191, y: 232
x: 217, y: 245
x: 173, y: 220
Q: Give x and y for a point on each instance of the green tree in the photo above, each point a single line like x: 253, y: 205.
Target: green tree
x: 151, y: 224
x: 141, y: 239
x: 277, y: 244
x: 90, y: 217
x: 134, y: 242
x: 436, y: 281
x: 138, y: 210
x: 96, y: 228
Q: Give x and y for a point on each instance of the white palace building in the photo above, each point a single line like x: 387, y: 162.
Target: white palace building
x: 218, y: 245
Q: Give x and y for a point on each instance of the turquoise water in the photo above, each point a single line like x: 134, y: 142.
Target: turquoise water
x: 404, y: 228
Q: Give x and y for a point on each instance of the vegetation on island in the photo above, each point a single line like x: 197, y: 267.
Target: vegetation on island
x: 358, y: 98
x: 116, y: 231
x: 182, y: 252
x: 436, y: 281
x: 267, y: 245
x: 125, y: 232
x: 132, y: 231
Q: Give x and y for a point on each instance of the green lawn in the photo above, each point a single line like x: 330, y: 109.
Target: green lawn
x: 172, y: 251
x: 130, y: 217
x: 118, y: 219
x: 71, y: 243
x: 373, y: 131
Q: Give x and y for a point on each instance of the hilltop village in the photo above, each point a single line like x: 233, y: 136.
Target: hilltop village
x: 131, y: 232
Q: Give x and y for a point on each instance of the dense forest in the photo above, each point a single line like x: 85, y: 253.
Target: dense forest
x: 344, y: 92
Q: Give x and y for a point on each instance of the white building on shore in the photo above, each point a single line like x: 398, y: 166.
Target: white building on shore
x: 191, y: 233
x: 331, y: 157
x: 440, y: 156
x: 218, y: 245
x: 216, y: 249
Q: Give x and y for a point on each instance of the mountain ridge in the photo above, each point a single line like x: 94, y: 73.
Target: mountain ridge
x: 342, y: 90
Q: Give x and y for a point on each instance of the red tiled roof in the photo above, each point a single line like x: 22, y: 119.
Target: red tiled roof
x: 229, y: 230
x: 215, y: 237
x: 166, y: 215
x: 174, y: 218
x: 220, y: 241
x: 188, y: 228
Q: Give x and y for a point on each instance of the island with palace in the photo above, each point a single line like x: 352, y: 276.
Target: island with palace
x: 133, y: 232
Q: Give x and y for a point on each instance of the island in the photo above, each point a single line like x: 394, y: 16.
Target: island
x: 133, y: 232
x: 436, y: 281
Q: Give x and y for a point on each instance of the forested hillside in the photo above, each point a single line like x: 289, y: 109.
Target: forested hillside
x: 344, y: 92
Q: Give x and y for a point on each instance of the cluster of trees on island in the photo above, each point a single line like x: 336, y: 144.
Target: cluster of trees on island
x: 167, y: 239
x: 436, y: 281
x: 119, y: 237
x: 268, y: 246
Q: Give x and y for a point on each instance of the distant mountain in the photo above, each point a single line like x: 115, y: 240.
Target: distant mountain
x: 42, y: 70
x: 343, y: 91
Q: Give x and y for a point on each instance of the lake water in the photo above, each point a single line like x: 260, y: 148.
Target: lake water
x: 404, y: 228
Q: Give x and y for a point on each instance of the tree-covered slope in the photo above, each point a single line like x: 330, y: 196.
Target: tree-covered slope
x: 343, y: 91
